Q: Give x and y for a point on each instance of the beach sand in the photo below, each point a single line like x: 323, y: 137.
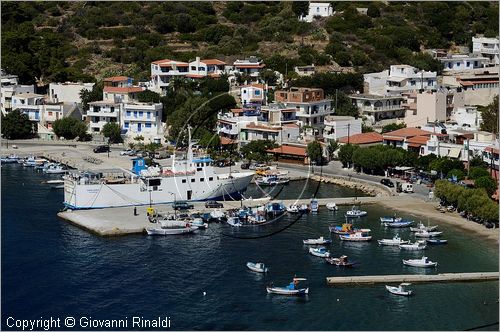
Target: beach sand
x: 428, y: 209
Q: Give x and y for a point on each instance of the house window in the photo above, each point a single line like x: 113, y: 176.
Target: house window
x: 468, y: 63
x: 183, y: 180
x: 50, y: 113
x: 112, y: 109
x: 199, y: 169
x: 458, y: 64
x: 141, y: 113
x: 193, y: 68
x: 126, y: 124
x: 129, y: 113
x: 412, y: 83
x: 202, y: 179
x: 135, y: 114
x: 244, y: 91
x: 201, y: 68
x: 148, y: 115
x: 148, y: 125
x: 475, y: 64
x: 211, y: 178
x: 257, y: 92
x: 192, y: 180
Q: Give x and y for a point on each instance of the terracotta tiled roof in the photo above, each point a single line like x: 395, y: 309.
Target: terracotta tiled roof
x: 116, y: 89
x: 226, y: 141
x: 249, y: 66
x: 194, y: 76
x: 260, y: 86
x: 408, y: 132
x: 116, y: 79
x: 258, y: 127
x: 168, y: 62
x: 213, y: 62
x: 236, y: 110
x: 289, y: 150
x: 364, y: 138
x: 418, y: 140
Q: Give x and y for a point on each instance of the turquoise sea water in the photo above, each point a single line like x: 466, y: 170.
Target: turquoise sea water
x: 51, y: 268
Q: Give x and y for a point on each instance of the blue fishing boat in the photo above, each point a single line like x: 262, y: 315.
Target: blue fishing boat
x: 390, y: 219
x: 291, y: 289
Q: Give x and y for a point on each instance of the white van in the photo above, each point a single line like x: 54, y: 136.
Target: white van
x: 407, y: 187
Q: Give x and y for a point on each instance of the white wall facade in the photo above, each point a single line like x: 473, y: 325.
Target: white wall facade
x: 68, y: 92
x: 142, y: 119
x: 487, y: 47
x: 323, y: 9
x: 341, y: 126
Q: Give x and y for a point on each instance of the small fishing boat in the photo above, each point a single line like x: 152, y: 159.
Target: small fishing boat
x: 257, y: 267
x: 217, y: 215
x: 421, y: 227
x: 171, y: 227
x: 314, y: 205
x: 355, y: 213
x: 390, y: 219
x: 55, y: 169
x: 29, y: 162
x: 332, y: 206
x: 275, y: 209
x: 319, y: 252
x: 400, y: 290
x: 437, y: 241
x: 293, y: 209
x: 234, y: 221
x: 395, y: 241
x: 418, y: 245
x: 427, y: 234
x: 346, y: 228
x: 398, y: 224
x: 55, y: 182
x: 11, y: 159
x: 198, y: 223
x: 357, y: 236
x: 271, y: 180
x: 422, y: 262
x: 340, y: 261
x: 304, y: 208
x: 291, y: 289
x: 320, y: 240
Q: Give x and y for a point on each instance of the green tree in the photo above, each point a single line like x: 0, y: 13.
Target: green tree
x: 460, y: 175
x: 487, y: 183
x: 257, y: 150
x: 478, y: 172
x: 490, y: 116
x: 315, y: 152
x: 16, y: 125
x: 112, y: 131
x: 333, y: 146
x: 148, y: 96
x: 477, y: 161
x: 373, y: 10
x: 89, y: 96
x: 366, y: 129
x: 345, y: 154
x: 300, y: 8
x: 70, y: 128
x: 392, y: 126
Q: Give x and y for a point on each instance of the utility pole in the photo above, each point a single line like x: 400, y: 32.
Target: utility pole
x: 468, y: 161
x: 348, y: 132
x: 336, y: 90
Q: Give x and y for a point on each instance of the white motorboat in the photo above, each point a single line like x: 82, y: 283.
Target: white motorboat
x: 355, y: 213
x: 357, y: 236
x: 400, y: 290
x: 395, y: 241
x: 11, y: 159
x: 320, y: 240
x: 319, y: 252
x: 293, y: 209
x: 55, y: 169
x: 257, y: 267
x: 390, y: 219
x: 291, y: 289
x: 198, y: 223
x: 217, y: 214
x: 55, y: 182
x: 332, y: 206
x: 427, y: 234
x: 171, y: 227
x: 418, y: 245
x: 314, y: 205
x: 271, y: 180
x: 234, y: 221
x: 421, y: 227
x: 304, y: 208
x: 422, y: 262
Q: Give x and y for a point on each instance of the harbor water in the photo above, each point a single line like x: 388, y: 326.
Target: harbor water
x: 53, y: 269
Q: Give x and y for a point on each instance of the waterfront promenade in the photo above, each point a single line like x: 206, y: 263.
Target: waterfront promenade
x: 414, y: 278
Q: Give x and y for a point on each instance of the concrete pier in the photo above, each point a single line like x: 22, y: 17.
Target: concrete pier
x: 413, y: 278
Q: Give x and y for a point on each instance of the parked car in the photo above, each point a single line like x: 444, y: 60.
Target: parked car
x: 126, y: 152
x: 407, y: 187
x: 162, y: 154
x: 182, y: 205
x: 387, y: 182
x: 213, y: 204
x: 245, y: 166
x: 101, y: 149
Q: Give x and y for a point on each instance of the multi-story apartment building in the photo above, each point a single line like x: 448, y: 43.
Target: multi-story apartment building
x: 376, y: 109
x: 251, y: 67
x: 261, y: 131
x: 102, y: 112
x: 229, y: 125
x: 142, y: 119
x: 162, y: 71
x: 337, y: 127
x: 68, y: 92
x: 310, y: 104
x: 277, y: 114
x: 10, y: 87
x: 317, y: 9
x: 252, y: 95
x: 431, y: 106
x: 487, y: 47
x: 399, y: 79
x: 30, y: 104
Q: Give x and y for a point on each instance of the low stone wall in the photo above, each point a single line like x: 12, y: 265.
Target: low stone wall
x: 370, y: 188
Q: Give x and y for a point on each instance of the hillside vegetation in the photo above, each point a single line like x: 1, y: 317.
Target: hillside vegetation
x: 59, y: 41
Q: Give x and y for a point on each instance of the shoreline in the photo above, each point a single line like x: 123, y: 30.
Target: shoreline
x: 422, y: 208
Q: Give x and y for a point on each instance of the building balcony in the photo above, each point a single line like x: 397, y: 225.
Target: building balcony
x: 313, y: 114
x: 489, y: 50
x: 228, y: 131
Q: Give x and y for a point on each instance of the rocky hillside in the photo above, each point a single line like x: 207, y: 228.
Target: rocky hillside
x: 58, y: 41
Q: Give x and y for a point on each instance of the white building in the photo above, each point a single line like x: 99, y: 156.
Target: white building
x: 287, y: 133
x: 162, y: 71
x: 30, y: 104
x: 101, y: 113
x: 305, y: 70
x: 487, y: 47
x: 121, y: 94
x: 460, y: 62
x: 337, y: 127
x: 480, y: 86
x: 377, y: 109
x: 467, y: 116
x: 67, y: 92
x: 399, y: 79
x: 229, y: 124
x: 320, y: 9
x: 143, y: 119
x: 9, y: 88
x: 252, y: 95
x: 207, y: 67
x: 251, y: 66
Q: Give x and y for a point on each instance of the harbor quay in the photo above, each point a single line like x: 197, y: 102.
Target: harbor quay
x: 122, y: 221
x: 414, y: 278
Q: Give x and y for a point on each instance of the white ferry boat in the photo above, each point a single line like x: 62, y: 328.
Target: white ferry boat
x: 192, y: 179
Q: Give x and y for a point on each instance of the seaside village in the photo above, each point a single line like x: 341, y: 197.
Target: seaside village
x: 440, y: 112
